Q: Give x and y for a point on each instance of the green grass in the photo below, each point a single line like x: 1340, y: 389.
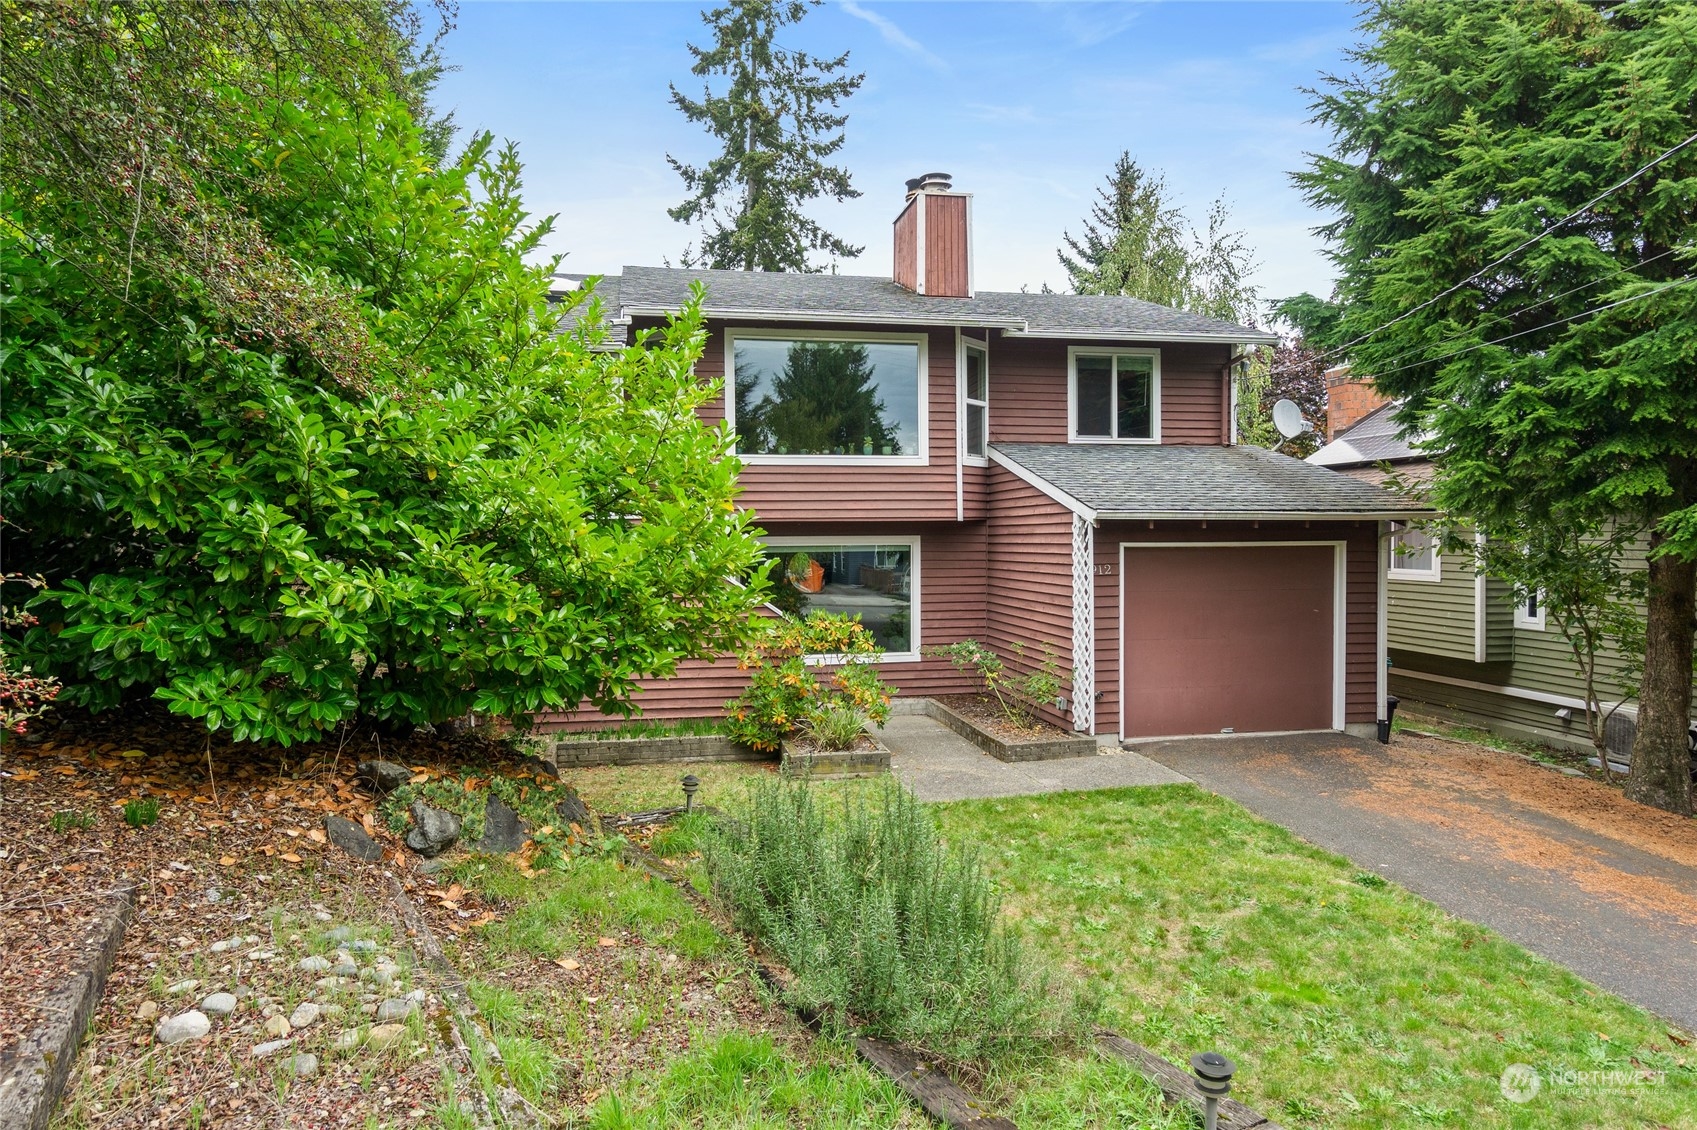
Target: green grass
x: 1346, y: 1003
x: 745, y: 1081
x: 651, y: 728
x: 642, y: 788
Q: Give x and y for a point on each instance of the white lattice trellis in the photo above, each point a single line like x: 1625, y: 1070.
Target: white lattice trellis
x: 1083, y: 625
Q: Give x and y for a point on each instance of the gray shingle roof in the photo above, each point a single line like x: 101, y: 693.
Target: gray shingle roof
x: 1375, y: 438
x: 1173, y: 481
x: 873, y: 299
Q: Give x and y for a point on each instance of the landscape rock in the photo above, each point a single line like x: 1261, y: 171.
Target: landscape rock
x: 225, y: 945
x: 191, y: 1025
x: 534, y: 764
x: 362, y: 945
x: 396, y: 1009
x: 219, y: 1004
x: 385, y: 1036
x: 269, y: 1048
x: 382, y: 776
x: 305, y: 1013
x: 349, y: 1040
x: 433, y: 831
x: 314, y: 964
x: 147, y: 1011
x: 572, y: 810
x: 181, y: 987
x: 339, y: 935
x: 277, y: 1026
x: 351, y: 838
x: 344, y: 969
x: 503, y: 830
x: 302, y: 1066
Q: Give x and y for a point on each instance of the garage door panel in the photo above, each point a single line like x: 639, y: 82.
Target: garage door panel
x: 1218, y: 637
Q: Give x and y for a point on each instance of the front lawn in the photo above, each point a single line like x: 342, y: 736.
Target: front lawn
x: 1345, y: 1000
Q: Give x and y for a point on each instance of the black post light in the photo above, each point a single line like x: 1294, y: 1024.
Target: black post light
x: 691, y: 785
x: 1214, y: 1079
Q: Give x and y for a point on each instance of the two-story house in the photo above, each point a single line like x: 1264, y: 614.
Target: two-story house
x: 1052, y: 469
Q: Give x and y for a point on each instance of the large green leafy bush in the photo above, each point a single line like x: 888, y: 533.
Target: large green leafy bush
x: 476, y: 512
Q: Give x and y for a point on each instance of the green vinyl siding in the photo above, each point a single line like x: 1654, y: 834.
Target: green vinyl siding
x: 1435, y: 617
x: 1499, y: 621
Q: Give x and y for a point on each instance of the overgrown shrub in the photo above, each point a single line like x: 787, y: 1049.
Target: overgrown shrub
x: 785, y: 690
x: 1018, y: 693
x: 887, y: 929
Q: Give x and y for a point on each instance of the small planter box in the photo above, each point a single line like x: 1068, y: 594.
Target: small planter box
x: 865, y: 762
x: 578, y: 753
x: 1040, y: 749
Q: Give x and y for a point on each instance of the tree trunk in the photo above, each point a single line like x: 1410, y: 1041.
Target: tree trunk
x: 1661, y: 759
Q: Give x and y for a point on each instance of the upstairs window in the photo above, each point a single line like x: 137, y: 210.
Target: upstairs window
x: 1529, y: 613
x: 840, y: 398
x: 1116, y: 396
x: 1414, y: 554
x: 977, y: 401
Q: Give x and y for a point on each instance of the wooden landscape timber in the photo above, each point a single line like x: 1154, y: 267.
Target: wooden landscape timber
x: 1177, y: 1085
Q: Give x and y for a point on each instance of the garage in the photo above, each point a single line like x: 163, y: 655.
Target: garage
x: 1239, y: 638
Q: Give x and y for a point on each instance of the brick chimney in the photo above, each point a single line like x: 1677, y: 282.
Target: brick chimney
x: 1349, y: 400
x: 934, y: 239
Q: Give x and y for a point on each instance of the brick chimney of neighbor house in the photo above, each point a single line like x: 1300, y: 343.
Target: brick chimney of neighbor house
x: 1349, y: 400
x: 934, y: 239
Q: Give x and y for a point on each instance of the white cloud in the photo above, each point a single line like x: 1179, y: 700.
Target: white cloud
x: 894, y: 35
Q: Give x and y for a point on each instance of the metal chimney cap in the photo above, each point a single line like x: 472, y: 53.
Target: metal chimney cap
x: 928, y: 182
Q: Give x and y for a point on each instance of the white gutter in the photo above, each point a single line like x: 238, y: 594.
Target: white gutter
x: 1250, y: 337
x: 1263, y: 515
x: 844, y: 316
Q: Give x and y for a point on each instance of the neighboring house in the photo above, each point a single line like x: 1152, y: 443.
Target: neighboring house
x: 1461, y: 645
x: 1053, y: 470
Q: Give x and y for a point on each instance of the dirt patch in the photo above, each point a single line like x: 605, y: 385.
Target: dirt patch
x: 1463, y: 788
x: 984, y: 712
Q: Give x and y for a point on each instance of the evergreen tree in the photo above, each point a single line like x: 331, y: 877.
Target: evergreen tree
x: 1137, y: 242
x: 1531, y: 310
x: 823, y: 401
x: 778, y: 127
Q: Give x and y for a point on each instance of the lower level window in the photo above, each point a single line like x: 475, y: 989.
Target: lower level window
x: 1529, y: 613
x: 876, y: 581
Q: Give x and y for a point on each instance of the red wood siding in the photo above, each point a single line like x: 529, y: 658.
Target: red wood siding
x: 1030, y: 576
x: 1028, y: 391
x: 952, y: 567
x: 800, y: 492
x: 1361, y: 594
x: 906, y: 271
x: 946, y: 246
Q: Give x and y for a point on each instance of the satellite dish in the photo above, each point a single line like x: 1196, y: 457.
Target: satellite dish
x: 1287, y: 417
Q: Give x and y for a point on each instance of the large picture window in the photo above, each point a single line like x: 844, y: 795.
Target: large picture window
x: 876, y: 581
x: 841, y: 397
x: 1116, y: 396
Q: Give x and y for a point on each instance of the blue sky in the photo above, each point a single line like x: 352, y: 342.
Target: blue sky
x: 1027, y: 104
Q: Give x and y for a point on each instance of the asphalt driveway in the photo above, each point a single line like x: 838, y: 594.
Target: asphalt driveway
x: 1564, y: 866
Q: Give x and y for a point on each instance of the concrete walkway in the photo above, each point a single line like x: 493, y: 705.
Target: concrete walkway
x: 1565, y: 866
x: 939, y: 764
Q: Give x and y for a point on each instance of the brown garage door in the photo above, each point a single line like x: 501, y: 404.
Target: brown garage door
x: 1227, y: 637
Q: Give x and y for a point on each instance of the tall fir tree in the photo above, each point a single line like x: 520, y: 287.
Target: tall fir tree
x: 1532, y: 312
x: 1138, y: 242
x: 778, y: 125
x: 824, y: 401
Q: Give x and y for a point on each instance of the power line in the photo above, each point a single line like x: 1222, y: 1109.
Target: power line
x: 1506, y: 256
x: 1545, y: 326
x: 1541, y: 302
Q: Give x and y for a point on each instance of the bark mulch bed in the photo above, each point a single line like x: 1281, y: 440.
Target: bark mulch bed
x: 236, y: 885
x: 986, y: 713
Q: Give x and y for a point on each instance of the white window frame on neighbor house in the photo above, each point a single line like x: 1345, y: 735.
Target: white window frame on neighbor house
x: 921, y: 459
x: 1532, y: 622
x: 910, y: 542
x: 969, y: 346
x: 1430, y: 574
x: 1074, y: 352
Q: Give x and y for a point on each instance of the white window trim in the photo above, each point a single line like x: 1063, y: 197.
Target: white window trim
x: 921, y: 459
x: 1530, y: 623
x: 915, y: 647
x: 1073, y: 353
x: 966, y: 402
x: 1428, y: 576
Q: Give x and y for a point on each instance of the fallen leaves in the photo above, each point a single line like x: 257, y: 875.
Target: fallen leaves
x: 607, y: 943
x: 568, y: 963
x: 290, y: 857
x: 226, y: 861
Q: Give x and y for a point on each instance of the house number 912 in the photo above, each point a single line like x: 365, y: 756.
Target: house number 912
x: 1104, y: 570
